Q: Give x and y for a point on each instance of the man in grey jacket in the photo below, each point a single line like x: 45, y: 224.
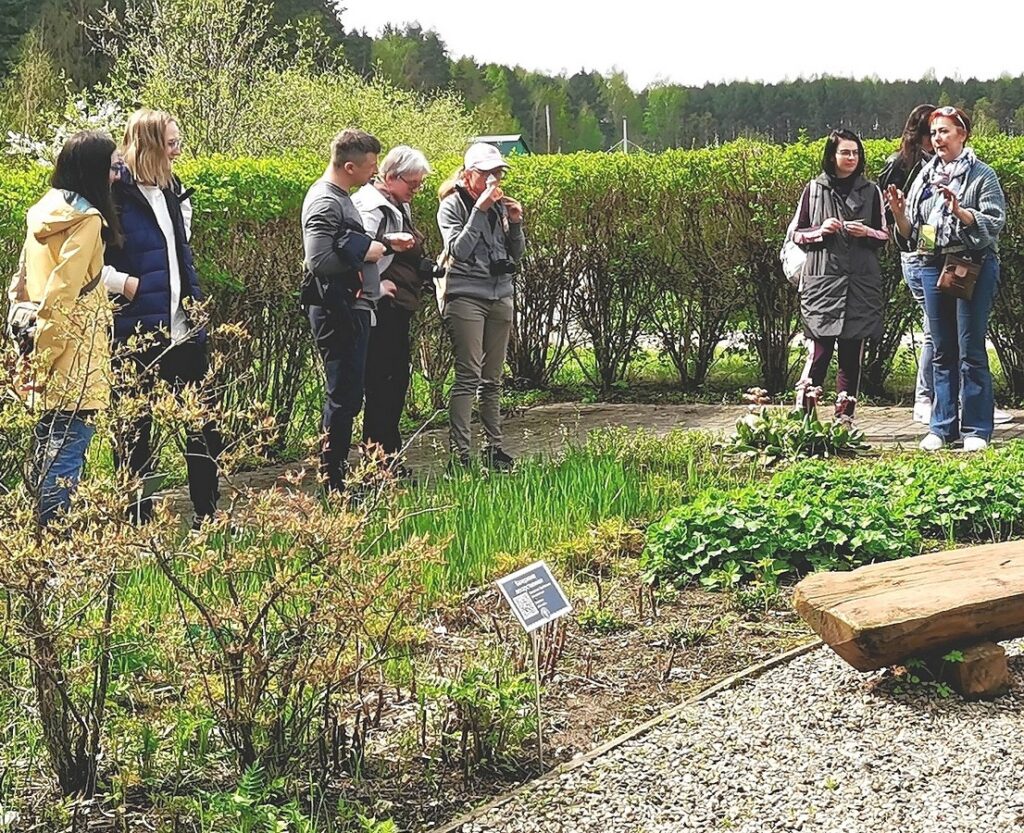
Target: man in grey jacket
x: 340, y: 287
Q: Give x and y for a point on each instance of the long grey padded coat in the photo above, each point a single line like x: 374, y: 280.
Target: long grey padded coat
x: 841, y: 293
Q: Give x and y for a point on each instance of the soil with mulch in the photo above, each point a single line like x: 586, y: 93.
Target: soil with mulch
x: 606, y: 672
x: 624, y: 655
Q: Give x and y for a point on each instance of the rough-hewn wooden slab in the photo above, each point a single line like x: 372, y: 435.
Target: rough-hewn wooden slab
x: 880, y: 614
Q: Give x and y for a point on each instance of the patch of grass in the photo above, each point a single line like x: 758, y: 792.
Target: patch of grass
x: 487, y: 520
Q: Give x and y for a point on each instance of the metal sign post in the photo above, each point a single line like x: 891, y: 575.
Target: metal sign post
x: 536, y: 599
x: 535, y: 639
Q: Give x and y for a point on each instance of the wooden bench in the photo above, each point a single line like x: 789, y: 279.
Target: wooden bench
x: 882, y: 614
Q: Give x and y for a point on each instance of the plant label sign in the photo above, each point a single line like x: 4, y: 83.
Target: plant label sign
x: 534, y: 596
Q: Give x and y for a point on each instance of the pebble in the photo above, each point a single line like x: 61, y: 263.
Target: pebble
x: 808, y: 747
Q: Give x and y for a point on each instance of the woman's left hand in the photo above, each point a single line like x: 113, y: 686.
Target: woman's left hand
x: 131, y: 288
x: 952, y: 201
x: 514, y: 209
x: 856, y: 229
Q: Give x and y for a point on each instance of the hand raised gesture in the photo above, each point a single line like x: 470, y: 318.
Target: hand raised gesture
x: 897, y: 200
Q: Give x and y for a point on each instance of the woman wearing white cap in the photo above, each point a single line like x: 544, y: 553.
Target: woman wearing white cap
x: 483, y: 241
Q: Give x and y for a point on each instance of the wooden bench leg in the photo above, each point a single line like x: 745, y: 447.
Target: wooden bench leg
x: 982, y: 675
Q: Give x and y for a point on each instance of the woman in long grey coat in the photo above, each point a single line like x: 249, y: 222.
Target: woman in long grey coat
x: 841, y: 226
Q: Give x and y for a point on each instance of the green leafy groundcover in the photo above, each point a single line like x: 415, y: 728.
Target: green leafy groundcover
x: 823, y: 515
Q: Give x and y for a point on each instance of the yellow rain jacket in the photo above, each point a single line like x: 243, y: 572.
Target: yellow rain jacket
x: 70, y: 366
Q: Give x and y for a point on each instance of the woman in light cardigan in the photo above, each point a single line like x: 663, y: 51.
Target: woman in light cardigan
x: 955, y: 206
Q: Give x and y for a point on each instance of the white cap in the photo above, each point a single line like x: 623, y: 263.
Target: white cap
x: 483, y: 157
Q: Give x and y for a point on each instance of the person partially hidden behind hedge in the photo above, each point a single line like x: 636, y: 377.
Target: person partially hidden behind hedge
x: 482, y: 230
x: 155, y: 215
x: 954, y: 211
x: 841, y: 226
x: 901, y: 169
x: 65, y: 371
x: 384, y: 205
x: 340, y: 287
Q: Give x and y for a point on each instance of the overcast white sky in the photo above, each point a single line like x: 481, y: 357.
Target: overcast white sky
x: 715, y: 40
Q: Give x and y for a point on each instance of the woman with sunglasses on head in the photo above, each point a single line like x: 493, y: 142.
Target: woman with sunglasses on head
x: 955, y: 207
x: 841, y: 225
x: 482, y: 230
x: 66, y: 378
x: 384, y: 204
x: 155, y: 215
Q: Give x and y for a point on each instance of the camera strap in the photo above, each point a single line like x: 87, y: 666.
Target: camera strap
x: 382, y: 229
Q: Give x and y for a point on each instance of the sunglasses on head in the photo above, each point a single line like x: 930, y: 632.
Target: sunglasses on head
x: 950, y: 113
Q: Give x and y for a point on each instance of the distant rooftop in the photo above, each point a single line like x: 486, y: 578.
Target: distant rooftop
x: 510, y: 143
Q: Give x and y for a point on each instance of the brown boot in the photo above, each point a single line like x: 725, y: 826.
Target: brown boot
x: 845, y: 405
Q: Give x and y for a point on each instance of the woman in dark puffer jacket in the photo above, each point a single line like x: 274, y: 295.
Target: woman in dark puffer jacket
x: 155, y: 215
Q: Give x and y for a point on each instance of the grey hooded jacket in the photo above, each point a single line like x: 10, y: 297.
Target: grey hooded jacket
x: 473, y: 239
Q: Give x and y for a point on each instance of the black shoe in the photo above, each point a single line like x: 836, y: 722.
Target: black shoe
x: 458, y: 464
x: 402, y: 472
x: 497, y: 460
x: 198, y: 521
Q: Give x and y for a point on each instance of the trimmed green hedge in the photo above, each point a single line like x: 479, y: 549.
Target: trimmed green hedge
x: 679, y: 248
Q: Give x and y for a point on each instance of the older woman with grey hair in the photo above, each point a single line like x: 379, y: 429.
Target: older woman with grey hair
x: 384, y: 205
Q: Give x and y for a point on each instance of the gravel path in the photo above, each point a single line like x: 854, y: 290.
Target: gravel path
x: 807, y: 746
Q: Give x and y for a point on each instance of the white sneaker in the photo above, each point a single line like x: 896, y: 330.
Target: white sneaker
x: 1001, y: 417
x: 923, y: 412
x: 973, y: 443
x: 933, y: 442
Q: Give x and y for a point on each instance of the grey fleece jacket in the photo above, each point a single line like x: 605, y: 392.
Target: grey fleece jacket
x: 334, y: 241
x: 473, y: 238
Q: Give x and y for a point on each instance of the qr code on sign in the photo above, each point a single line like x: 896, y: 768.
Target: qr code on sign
x: 524, y: 604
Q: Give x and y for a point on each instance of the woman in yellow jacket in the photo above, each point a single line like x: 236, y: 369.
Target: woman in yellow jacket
x: 67, y: 379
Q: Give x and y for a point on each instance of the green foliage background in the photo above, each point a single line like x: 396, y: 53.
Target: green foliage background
x: 678, y: 248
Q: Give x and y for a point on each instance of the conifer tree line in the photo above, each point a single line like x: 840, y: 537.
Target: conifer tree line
x: 43, y: 46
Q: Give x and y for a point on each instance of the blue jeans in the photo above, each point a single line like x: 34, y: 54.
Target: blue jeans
x: 342, y: 336
x: 61, y: 440
x: 961, y: 361
x: 924, y: 390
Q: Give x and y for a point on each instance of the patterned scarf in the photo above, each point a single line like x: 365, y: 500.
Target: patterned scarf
x: 935, y: 173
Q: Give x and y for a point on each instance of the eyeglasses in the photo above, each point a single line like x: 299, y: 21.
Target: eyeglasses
x: 175, y: 144
x: 497, y: 173
x: 118, y: 169
x: 950, y: 113
x: 849, y: 154
x: 413, y: 186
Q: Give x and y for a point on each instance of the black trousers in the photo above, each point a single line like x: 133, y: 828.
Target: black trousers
x: 341, y: 337
x: 180, y: 367
x: 387, y: 376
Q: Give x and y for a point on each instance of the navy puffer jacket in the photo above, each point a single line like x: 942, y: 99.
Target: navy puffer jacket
x: 144, y: 255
